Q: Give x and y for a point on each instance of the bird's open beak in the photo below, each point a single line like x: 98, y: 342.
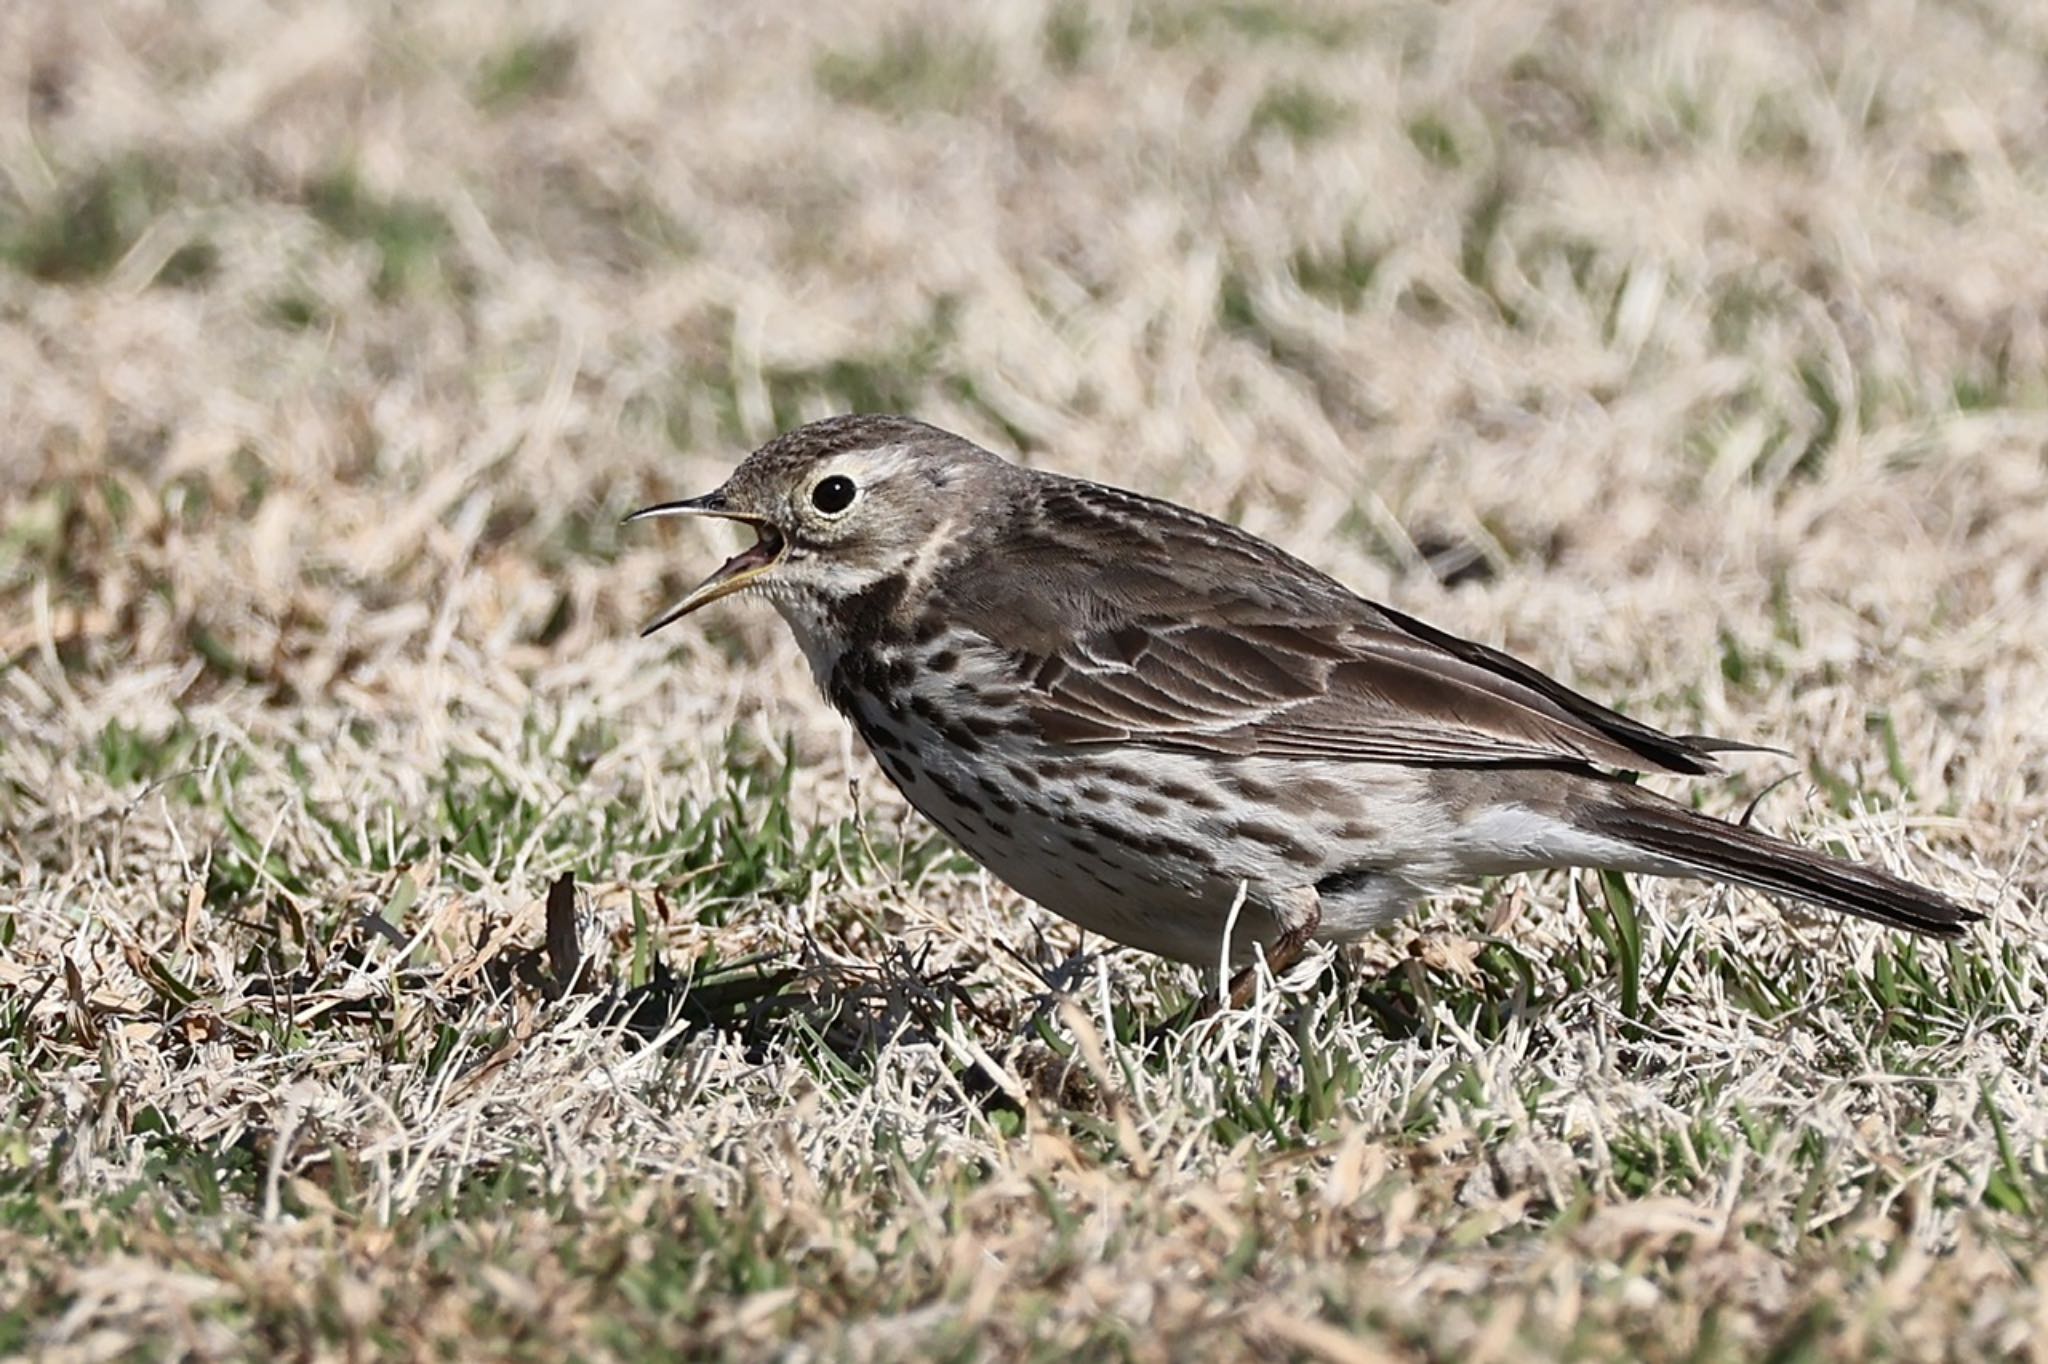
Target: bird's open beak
x: 737, y: 572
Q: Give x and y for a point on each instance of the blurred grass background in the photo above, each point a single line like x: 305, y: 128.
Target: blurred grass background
x: 1698, y: 353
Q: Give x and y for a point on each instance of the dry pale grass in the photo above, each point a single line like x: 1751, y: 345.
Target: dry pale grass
x: 1697, y: 352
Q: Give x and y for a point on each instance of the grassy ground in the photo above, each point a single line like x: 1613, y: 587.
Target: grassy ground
x: 1700, y: 358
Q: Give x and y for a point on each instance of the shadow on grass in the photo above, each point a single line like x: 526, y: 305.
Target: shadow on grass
x: 840, y: 1017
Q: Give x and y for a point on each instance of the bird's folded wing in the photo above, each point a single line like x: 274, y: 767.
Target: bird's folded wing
x: 1395, y: 692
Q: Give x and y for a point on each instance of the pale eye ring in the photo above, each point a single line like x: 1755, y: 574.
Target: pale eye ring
x: 833, y: 494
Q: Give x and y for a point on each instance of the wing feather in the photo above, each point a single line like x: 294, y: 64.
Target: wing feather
x: 1143, y: 623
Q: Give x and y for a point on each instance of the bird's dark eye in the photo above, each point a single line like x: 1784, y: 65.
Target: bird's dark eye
x: 833, y: 495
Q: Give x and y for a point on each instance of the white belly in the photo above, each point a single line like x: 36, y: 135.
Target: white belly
x: 1164, y: 851
x: 1101, y: 838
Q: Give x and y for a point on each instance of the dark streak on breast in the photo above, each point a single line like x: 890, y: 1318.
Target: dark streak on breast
x: 868, y: 617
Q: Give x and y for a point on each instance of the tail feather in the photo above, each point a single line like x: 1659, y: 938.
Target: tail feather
x: 1700, y: 845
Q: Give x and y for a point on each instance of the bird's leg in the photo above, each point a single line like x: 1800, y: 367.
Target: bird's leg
x: 1286, y: 951
x: 1280, y: 957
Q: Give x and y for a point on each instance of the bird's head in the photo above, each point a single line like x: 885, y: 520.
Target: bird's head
x: 836, y: 507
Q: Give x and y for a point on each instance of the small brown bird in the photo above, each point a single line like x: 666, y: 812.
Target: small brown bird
x: 1183, y: 738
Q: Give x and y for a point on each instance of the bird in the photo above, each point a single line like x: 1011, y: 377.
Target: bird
x: 1179, y: 736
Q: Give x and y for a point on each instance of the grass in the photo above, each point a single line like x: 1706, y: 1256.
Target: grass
x: 1301, y: 112
x: 408, y: 236
x: 398, y: 955
x: 909, y: 71
x: 533, y: 68
x: 88, y: 225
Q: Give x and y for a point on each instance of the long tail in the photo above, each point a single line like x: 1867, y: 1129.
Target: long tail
x: 1694, y: 844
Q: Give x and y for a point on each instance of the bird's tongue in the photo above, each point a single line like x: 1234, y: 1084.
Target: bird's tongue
x: 735, y: 573
x: 763, y: 551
